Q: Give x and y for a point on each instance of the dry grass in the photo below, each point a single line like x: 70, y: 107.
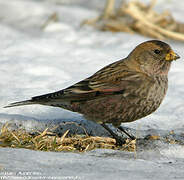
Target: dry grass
x: 137, y: 17
x: 133, y: 17
x: 47, y: 141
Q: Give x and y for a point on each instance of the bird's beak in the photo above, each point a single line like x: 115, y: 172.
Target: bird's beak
x: 171, y: 55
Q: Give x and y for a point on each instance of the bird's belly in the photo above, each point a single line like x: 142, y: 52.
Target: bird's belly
x: 115, y: 109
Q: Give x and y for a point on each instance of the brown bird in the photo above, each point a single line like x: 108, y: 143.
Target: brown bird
x: 123, y: 91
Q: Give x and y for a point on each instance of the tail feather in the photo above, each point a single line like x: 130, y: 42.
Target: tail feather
x: 21, y: 103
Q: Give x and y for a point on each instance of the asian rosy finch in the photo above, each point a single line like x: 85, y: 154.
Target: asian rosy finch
x: 123, y: 91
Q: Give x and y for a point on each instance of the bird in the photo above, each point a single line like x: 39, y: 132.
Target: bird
x: 123, y: 91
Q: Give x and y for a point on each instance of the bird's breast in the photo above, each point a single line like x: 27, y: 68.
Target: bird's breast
x: 145, y: 100
x: 158, y: 89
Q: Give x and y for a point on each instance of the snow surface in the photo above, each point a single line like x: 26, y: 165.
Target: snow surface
x: 35, y: 61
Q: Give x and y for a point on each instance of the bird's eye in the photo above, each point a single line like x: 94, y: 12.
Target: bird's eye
x: 157, y: 51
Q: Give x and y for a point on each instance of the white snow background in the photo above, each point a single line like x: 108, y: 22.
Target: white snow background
x: 34, y: 61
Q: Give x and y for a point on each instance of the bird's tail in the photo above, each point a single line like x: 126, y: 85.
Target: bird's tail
x: 20, y: 103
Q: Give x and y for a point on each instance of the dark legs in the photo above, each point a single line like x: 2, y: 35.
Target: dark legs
x: 130, y: 136
x: 119, y: 140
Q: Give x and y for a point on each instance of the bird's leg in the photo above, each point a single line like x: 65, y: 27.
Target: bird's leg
x: 119, y: 140
x: 130, y: 136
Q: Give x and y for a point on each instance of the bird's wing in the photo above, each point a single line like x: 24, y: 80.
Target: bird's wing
x: 112, y: 79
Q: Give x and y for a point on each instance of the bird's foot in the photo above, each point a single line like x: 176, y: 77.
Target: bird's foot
x: 119, y: 141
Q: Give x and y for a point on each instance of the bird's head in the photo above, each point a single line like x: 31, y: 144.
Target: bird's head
x: 152, y: 57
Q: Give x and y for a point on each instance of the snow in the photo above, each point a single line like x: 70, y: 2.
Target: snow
x: 97, y: 164
x: 35, y: 61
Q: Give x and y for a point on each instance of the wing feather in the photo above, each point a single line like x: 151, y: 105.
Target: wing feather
x: 112, y: 79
